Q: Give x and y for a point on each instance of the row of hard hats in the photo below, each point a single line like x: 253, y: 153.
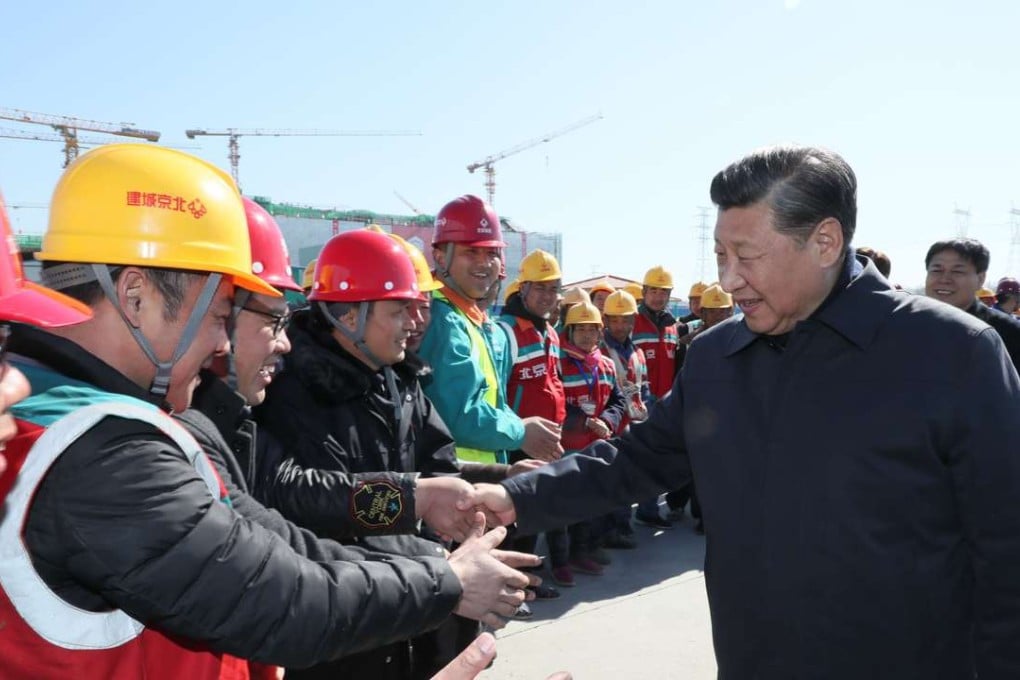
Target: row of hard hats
x: 371, y: 264
x: 656, y: 277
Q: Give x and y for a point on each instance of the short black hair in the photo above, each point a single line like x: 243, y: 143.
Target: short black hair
x: 969, y: 249
x: 172, y: 284
x: 803, y: 185
x: 881, y: 260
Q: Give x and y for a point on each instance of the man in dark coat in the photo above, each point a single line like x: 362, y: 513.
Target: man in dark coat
x: 854, y: 447
x: 956, y: 271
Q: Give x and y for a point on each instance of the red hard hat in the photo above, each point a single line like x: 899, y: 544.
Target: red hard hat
x: 1008, y: 286
x: 362, y: 265
x: 468, y: 220
x: 269, y: 258
x: 27, y: 302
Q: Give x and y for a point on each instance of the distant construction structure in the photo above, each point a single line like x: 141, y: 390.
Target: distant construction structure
x: 306, y: 229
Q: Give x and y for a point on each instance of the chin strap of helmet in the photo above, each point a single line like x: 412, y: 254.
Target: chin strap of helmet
x: 69, y: 274
x: 161, y: 382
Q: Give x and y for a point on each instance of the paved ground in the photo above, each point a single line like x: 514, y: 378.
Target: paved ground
x: 646, y: 617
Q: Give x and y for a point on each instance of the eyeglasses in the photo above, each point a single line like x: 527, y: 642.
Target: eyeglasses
x: 280, y: 321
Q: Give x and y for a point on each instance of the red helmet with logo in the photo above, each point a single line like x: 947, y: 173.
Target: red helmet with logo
x: 27, y: 302
x: 269, y: 258
x: 468, y: 220
x: 362, y: 265
x: 1007, y: 286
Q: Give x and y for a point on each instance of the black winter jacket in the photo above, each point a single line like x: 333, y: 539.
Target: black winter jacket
x: 123, y: 520
x: 337, y: 417
x: 859, y: 490
x: 1006, y: 325
x: 327, y: 494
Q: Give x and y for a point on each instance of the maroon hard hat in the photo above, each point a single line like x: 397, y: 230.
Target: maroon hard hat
x: 468, y: 220
x: 1007, y: 286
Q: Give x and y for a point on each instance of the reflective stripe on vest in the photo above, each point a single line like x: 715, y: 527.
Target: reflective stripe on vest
x: 483, y: 360
x: 47, y: 614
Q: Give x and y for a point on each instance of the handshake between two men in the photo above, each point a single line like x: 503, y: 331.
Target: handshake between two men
x: 493, y: 587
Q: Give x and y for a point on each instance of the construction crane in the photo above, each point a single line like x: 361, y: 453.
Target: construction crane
x: 11, y: 133
x: 68, y: 128
x: 232, y: 135
x: 83, y: 142
x: 407, y: 203
x: 489, y: 163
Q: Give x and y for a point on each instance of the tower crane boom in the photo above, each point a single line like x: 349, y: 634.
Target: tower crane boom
x: 68, y: 128
x: 232, y: 135
x: 490, y: 161
x: 11, y: 133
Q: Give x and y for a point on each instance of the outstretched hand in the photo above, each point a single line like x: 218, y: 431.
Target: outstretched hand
x: 475, y: 658
x: 437, y: 503
x: 526, y: 465
x: 494, y: 501
x: 492, y: 588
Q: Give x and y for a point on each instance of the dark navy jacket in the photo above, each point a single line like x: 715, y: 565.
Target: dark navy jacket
x: 1006, y: 325
x: 860, y: 490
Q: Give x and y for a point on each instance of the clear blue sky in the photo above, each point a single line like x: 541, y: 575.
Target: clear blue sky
x: 921, y: 98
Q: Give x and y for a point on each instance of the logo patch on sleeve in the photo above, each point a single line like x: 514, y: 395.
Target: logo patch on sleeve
x: 377, y: 504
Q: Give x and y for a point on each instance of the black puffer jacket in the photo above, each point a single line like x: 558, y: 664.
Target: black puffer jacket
x: 327, y: 494
x: 337, y: 416
x: 123, y: 520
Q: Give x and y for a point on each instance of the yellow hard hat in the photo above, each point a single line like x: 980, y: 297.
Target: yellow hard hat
x: 635, y: 289
x: 620, y: 303
x: 985, y: 293
x: 426, y: 282
x: 309, y: 276
x: 150, y: 206
x: 574, y: 295
x: 602, y: 285
x: 697, y: 289
x: 513, y: 287
x: 539, y: 266
x: 658, y: 277
x: 583, y: 312
x: 715, y: 297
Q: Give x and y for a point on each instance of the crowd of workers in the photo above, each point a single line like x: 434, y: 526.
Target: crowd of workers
x: 205, y: 482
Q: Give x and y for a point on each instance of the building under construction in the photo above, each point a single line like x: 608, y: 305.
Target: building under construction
x: 306, y: 230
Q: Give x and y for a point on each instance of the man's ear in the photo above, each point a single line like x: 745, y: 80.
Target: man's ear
x: 350, y: 319
x: 439, y: 257
x: 132, y: 286
x: 827, y: 239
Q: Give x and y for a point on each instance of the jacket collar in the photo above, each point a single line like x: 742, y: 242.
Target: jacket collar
x: 611, y: 343
x: 660, y: 319
x: 70, y: 359
x: 225, y: 407
x: 855, y: 309
x: 332, y: 373
x: 515, y: 307
x: 469, y: 307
